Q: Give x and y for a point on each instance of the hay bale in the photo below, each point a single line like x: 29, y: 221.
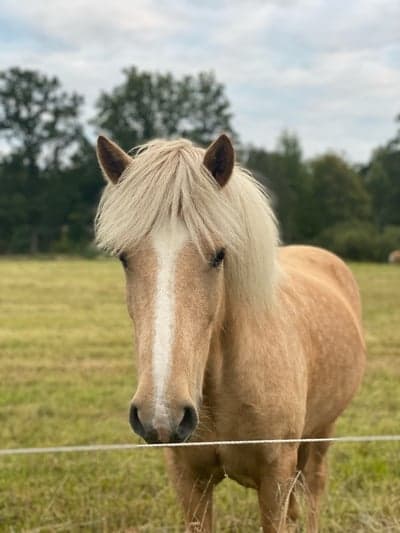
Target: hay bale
x: 394, y: 257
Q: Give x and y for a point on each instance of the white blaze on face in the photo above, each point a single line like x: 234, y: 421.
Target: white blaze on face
x: 167, y: 244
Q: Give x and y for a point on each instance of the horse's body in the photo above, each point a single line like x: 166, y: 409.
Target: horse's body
x: 281, y: 369
x: 290, y: 376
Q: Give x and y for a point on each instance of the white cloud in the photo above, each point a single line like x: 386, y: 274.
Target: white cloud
x: 82, y: 22
x: 328, y: 70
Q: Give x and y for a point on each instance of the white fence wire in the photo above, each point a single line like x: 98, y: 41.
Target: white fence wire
x: 116, y: 447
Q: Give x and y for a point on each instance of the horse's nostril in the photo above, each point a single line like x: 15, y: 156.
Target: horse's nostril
x: 163, y: 433
x: 135, y: 422
x: 187, y: 424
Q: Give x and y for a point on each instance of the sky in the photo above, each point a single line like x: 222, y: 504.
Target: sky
x: 327, y: 70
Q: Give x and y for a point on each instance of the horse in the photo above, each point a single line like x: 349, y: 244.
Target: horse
x: 236, y: 336
x: 394, y: 257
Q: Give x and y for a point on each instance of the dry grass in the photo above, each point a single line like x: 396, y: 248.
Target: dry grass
x: 67, y: 374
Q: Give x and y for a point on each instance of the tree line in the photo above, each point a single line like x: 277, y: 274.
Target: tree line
x: 50, y: 182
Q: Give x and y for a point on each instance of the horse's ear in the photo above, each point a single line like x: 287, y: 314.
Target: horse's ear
x: 220, y: 158
x: 112, y: 159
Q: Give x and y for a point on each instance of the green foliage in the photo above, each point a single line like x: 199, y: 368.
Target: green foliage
x: 338, y: 191
x: 40, y: 123
x: 382, y: 181
x: 309, y: 197
x: 49, y: 178
x: 353, y: 240
x: 37, y: 117
x: 286, y: 176
x: 148, y: 105
x: 360, y: 241
x: 50, y: 181
x: 389, y: 241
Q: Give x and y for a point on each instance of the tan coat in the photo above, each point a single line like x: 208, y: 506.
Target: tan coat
x: 289, y: 376
x: 265, y: 343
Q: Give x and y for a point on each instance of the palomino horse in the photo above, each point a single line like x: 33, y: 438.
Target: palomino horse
x: 235, y: 337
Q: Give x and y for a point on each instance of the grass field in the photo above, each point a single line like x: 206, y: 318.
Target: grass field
x: 66, y: 377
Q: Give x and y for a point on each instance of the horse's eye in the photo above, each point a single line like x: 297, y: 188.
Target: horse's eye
x: 217, y: 258
x: 124, y: 260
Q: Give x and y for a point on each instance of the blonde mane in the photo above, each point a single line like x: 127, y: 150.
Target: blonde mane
x: 167, y: 181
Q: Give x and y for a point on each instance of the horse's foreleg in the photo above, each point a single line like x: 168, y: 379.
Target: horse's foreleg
x: 274, y: 491
x: 195, y: 495
x: 315, y: 478
x: 294, y: 510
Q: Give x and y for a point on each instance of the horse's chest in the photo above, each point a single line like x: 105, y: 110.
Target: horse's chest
x: 241, y: 465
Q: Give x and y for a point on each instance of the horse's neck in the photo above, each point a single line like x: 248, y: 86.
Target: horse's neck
x: 234, y: 342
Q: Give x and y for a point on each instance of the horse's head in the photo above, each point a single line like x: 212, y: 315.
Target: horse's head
x: 175, y: 287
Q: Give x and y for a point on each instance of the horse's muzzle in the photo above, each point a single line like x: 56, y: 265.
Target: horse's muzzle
x: 160, y: 434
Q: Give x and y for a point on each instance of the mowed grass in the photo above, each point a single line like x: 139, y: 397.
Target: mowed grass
x: 67, y: 375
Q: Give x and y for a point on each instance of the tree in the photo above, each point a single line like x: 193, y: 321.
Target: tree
x: 338, y: 191
x: 284, y: 173
x: 378, y: 185
x: 40, y: 123
x: 37, y: 118
x: 148, y: 105
x: 382, y: 180
x: 206, y: 111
